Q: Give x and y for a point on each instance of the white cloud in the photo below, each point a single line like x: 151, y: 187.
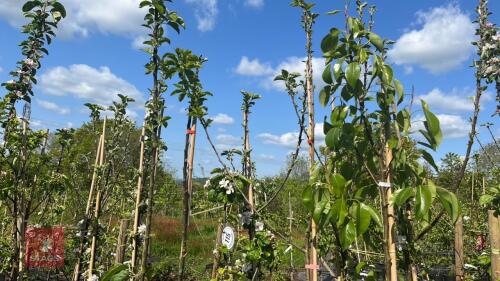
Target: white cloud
x: 223, y: 119
x: 228, y: 139
x: 442, y: 43
x: 205, y: 13
x: 454, y: 101
x: 254, y: 3
x: 253, y: 67
x: 266, y: 157
x: 408, y: 69
x: 1, y: 69
x: 85, y: 17
x: 291, y: 64
x: 53, y: 107
x: 87, y: 83
x: 289, y: 139
x: 452, y: 126
x: 451, y: 102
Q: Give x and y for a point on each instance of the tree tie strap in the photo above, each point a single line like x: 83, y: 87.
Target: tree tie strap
x: 312, y: 266
x: 190, y: 132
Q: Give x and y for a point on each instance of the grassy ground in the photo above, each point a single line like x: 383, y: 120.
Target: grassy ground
x: 167, y: 234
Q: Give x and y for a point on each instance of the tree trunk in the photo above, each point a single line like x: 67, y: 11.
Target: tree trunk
x: 121, y: 243
x: 494, y: 227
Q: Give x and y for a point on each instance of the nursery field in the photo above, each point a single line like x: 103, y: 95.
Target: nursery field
x: 378, y: 181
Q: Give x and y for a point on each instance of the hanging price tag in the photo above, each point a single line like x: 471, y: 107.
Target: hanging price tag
x: 228, y: 237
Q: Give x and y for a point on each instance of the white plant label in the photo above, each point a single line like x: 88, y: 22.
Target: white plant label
x: 228, y: 237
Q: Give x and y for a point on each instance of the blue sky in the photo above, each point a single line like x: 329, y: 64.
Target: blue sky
x: 247, y: 42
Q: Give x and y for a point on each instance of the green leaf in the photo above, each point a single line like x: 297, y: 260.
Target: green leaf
x: 337, y: 70
x: 352, y: 74
x: 423, y: 201
x: 363, y: 219
x: 28, y: 6
x: 318, y: 210
x: 324, y: 96
x: 332, y: 139
x: 376, y: 41
x: 334, y: 12
x: 329, y: 42
x: 400, y: 196
x: 432, y: 125
x: 428, y: 157
x: 399, y: 90
x: 307, y: 197
x: 347, y: 235
x: 338, y: 184
x: 449, y: 201
x: 58, y: 7
x: 374, y: 214
x: 387, y: 74
x: 327, y: 74
x: 486, y: 199
x: 118, y: 272
x: 326, y: 126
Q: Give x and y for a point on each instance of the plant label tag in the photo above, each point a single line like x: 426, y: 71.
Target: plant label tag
x: 384, y: 184
x: 228, y: 237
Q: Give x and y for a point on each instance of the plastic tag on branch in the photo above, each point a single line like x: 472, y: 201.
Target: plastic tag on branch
x: 228, y: 237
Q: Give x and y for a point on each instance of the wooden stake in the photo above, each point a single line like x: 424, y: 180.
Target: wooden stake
x: 97, y: 210
x: 215, y: 264
x: 188, y: 189
x: 391, y: 255
x: 85, y: 224
x: 494, y: 227
x: 459, y: 249
x: 140, y: 185
x: 121, y: 244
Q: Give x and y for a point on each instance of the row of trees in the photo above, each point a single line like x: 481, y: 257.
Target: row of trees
x: 373, y: 185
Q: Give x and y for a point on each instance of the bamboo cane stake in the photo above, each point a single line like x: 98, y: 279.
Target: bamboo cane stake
x: 97, y: 210
x: 78, y: 265
x: 140, y: 184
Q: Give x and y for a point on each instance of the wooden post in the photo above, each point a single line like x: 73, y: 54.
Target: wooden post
x: 215, y: 264
x: 388, y: 210
x: 188, y: 189
x: 459, y: 249
x: 121, y: 243
x: 97, y: 210
x: 140, y: 185
x: 494, y: 227
x: 85, y: 224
